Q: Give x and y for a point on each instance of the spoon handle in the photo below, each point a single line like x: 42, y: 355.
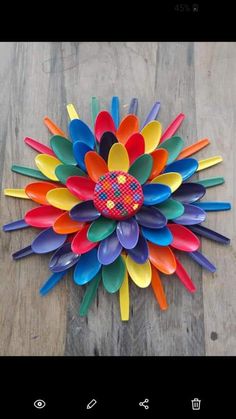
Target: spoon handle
x: 15, y: 225
x: 72, y: 112
x: 52, y: 127
x: 27, y: 171
x: 184, y: 277
x: 26, y: 251
x: 211, y: 181
x: 152, y: 114
x: 193, y: 148
x: 115, y: 110
x: 211, y: 161
x: 202, y: 260
x: 124, y: 298
x: 133, y: 107
x: 51, y: 282
x: 94, y: 109
x: 89, y: 295
x: 16, y: 193
x: 158, y: 289
x: 209, y: 234
x: 172, y: 128
x: 36, y: 145
x: 213, y: 206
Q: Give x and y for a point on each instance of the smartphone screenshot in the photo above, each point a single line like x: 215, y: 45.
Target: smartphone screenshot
x: 117, y: 272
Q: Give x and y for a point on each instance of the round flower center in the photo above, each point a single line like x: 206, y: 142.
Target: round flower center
x: 118, y: 195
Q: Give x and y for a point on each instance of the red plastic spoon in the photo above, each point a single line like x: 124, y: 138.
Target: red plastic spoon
x: 36, y: 145
x: 42, y: 217
x: 172, y: 128
x: 183, y: 238
x: 184, y: 277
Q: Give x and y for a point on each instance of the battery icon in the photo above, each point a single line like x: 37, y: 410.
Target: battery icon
x: 91, y: 404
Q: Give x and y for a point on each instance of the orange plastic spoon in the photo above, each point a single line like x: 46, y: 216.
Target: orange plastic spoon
x: 162, y: 258
x: 158, y: 289
x: 160, y: 157
x: 53, y: 128
x: 37, y: 191
x: 193, y: 148
x: 65, y: 225
x: 128, y: 126
x: 95, y: 165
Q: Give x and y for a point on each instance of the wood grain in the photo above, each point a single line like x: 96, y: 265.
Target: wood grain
x: 39, y: 79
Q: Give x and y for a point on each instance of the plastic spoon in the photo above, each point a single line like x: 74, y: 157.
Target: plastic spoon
x: 183, y: 238
x: 189, y: 192
x: 173, y: 180
x: 65, y: 225
x: 41, y: 148
x: 139, y: 253
x: 37, y: 191
x: 79, y: 150
x: 15, y: 225
x: 159, y: 157
x: 42, y: 217
x: 16, y: 193
x: 135, y: 146
x: 152, y: 114
x: 173, y: 127
x: 162, y: 258
x: 62, y: 198
x: 63, y: 172
x: 171, y: 209
x: 109, y: 249
x: 100, y: 229
x: 154, y: 193
x: 210, y: 234
x: 90, y: 294
x: 47, y: 165
x: 133, y: 107
x: 128, y: 233
x: 202, y: 260
x: 103, y: 123
x: 45, y: 242
x: 118, y: 158
x: 94, y: 109
x: 81, y: 187
x: 192, y: 215
x: 151, y: 134
x: 106, y: 142
x: 51, y: 282
x: 72, y: 111
x: 209, y: 182
x: 80, y: 243
x: 95, y: 165
x: 113, y: 275
x: 141, y: 168
x: 63, y: 149
x: 53, y: 128
x: 158, y: 289
x: 184, y: 277
x: 79, y: 131
x: 160, y: 236
x: 28, y: 171
x: 151, y: 217
x: 193, y: 148
x: 173, y: 146
x: 87, y: 267
x: 213, y: 206
x: 124, y: 298
x: 185, y: 167
x: 115, y: 110
x: 128, y: 126
x: 211, y: 161
x: 141, y: 274
x: 63, y: 259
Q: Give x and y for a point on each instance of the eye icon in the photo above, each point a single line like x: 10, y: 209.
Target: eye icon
x: 39, y: 404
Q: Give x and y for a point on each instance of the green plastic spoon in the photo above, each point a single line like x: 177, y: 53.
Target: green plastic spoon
x: 63, y: 149
x: 27, y: 171
x: 113, y: 275
x: 171, y: 208
x: 100, y: 229
x: 90, y: 295
x: 63, y: 171
x: 174, y: 146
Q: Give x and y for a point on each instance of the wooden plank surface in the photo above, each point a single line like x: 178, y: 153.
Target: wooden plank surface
x: 39, y: 79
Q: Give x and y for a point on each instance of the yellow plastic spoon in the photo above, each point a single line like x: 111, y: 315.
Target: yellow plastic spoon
x: 118, y: 158
x: 47, y: 165
x: 171, y: 179
x: 62, y: 198
x: 124, y: 297
x: 141, y: 274
x: 16, y: 193
x: 152, y: 134
x: 211, y: 161
x: 72, y: 112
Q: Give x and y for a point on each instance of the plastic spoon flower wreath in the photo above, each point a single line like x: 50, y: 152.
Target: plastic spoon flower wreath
x: 116, y: 202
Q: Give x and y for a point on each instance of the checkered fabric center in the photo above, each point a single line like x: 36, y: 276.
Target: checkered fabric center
x: 118, y: 195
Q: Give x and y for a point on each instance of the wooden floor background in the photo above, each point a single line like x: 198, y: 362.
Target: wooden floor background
x: 38, y: 79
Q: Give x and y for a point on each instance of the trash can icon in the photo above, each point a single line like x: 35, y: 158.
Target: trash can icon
x: 196, y: 404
